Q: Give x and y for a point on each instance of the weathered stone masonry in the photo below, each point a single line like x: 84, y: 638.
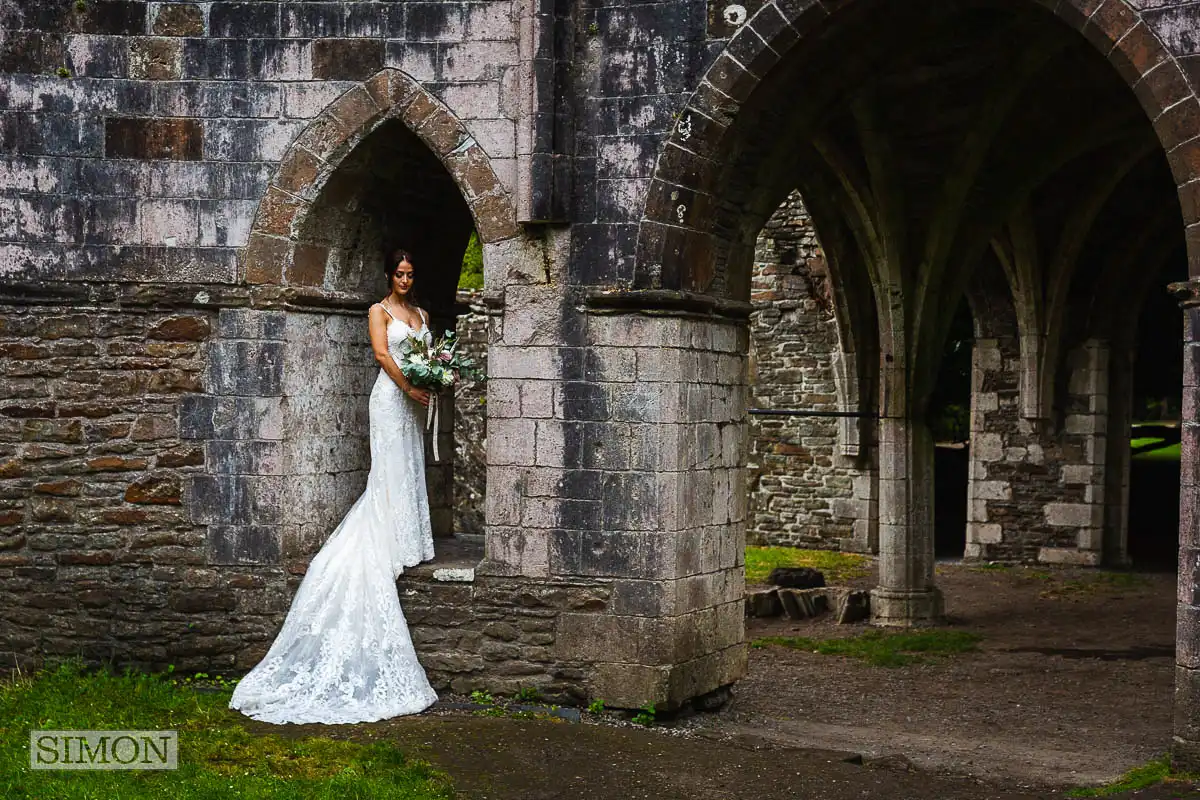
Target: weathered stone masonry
x: 810, y: 481
x: 101, y: 556
x: 212, y: 160
x: 223, y: 160
x: 803, y: 488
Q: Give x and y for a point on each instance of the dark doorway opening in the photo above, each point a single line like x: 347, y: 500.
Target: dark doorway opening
x: 1155, y: 434
x: 949, y: 419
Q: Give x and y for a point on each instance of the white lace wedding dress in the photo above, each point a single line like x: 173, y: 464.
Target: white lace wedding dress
x: 344, y: 653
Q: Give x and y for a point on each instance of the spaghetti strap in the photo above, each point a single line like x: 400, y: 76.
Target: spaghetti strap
x: 421, y: 311
x: 385, y: 308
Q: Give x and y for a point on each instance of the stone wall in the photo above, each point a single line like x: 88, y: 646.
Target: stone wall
x: 803, y: 491
x: 1036, y: 486
x: 102, y: 555
x: 470, y: 419
x: 148, y: 161
x: 501, y: 635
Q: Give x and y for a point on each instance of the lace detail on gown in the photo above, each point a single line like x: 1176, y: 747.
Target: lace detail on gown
x: 344, y: 653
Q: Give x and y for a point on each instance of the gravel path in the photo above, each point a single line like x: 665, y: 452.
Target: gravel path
x: 1072, y: 684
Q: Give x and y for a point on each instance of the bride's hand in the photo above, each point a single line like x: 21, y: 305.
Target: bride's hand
x: 420, y: 395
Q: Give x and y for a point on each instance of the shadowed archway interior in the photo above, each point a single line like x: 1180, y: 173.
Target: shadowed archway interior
x: 389, y: 192
x: 927, y: 139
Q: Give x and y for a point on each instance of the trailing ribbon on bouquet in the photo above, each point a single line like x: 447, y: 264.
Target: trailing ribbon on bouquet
x: 431, y: 422
x: 434, y: 367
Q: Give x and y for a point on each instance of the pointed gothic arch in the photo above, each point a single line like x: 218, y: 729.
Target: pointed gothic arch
x: 315, y: 156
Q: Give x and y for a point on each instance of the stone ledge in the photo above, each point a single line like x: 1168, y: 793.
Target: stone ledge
x: 455, y: 559
x: 666, y: 301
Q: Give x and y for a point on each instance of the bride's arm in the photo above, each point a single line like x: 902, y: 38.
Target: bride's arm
x: 377, y: 325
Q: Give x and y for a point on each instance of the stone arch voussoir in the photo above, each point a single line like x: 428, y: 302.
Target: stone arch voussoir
x: 673, y: 237
x: 315, y: 155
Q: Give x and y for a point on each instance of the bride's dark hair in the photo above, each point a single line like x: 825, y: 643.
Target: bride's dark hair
x: 390, y: 266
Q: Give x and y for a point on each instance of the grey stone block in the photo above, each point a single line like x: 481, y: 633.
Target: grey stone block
x: 225, y: 457
x: 234, y: 499
x: 243, y: 544
x: 607, y: 553
x: 763, y: 603
x: 803, y: 603
x: 245, y: 368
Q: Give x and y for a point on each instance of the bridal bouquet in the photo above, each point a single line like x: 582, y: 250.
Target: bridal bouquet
x: 434, y: 367
x: 437, y: 366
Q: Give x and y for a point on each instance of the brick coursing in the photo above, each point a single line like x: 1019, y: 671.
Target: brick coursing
x: 100, y: 555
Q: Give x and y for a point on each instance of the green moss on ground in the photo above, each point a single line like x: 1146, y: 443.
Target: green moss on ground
x: 836, y: 567
x: 1149, y: 774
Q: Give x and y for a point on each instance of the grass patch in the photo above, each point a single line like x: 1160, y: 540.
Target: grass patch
x: 1152, y: 449
x: 1171, y: 452
x: 218, y: 757
x: 881, y: 648
x: 836, y: 567
x: 992, y: 566
x: 1149, y: 774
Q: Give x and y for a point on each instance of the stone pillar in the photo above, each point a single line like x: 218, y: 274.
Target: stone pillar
x: 251, y: 455
x: 659, y: 463
x: 525, y: 442
x: 993, y: 404
x: 1080, y: 512
x: 615, y: 484
x: 906, y: 594
x: 1186, y: 747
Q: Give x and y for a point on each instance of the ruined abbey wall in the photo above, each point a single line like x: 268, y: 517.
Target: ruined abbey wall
x: 804, y: 490
x: 193, y: 202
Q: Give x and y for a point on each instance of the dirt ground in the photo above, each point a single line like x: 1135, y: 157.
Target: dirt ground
x: 1071, y: 686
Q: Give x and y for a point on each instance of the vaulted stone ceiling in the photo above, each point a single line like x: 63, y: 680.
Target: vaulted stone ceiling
x: 928, y: 137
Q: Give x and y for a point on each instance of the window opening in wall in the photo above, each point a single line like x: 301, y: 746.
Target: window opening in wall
x: 392, y: 192
x: 949, y: 419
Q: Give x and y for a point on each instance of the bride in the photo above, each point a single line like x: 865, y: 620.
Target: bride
x: 344, y: 653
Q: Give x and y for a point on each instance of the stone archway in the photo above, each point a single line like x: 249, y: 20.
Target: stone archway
x: 314, y: 157
x: 680, y: 201
x: 297, y: 372
x: 713, y: 182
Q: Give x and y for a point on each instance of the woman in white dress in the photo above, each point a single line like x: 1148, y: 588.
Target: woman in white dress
x: 344, y: 653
